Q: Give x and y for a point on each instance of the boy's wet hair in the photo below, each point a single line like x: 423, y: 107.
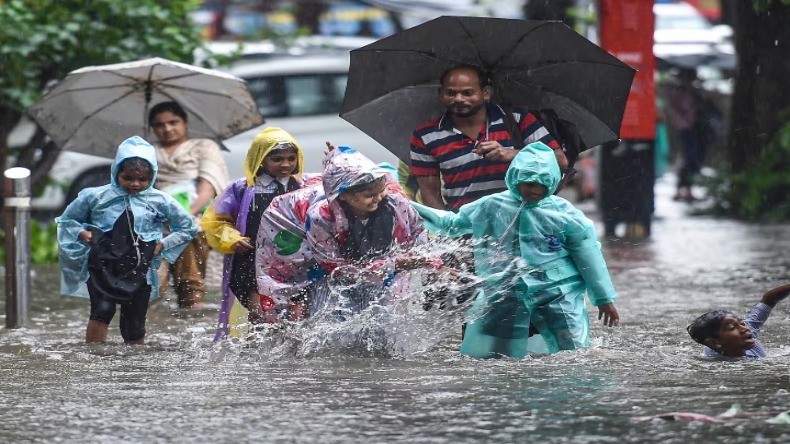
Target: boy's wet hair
x: 362, y: 187
x: 707, y: 326
x: 135, y: 162
x: 172, y: 107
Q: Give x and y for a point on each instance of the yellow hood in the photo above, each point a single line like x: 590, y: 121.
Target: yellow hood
x: 262, y: 145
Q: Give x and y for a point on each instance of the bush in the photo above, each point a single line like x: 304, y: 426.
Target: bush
x: 43, y: 243
x: 758, y: 193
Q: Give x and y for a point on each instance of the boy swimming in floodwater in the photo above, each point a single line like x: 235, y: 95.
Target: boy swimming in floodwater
x: 725, y: 334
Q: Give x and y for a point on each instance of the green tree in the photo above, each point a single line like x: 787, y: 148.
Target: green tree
x: 753, y: 180
x: 42, y: 40
x: 761, y: 99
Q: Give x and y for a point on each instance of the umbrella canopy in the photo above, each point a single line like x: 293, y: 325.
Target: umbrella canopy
x: 393, y: 83
x: 95, y: 108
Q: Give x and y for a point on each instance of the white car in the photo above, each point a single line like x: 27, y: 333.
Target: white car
x: 681, y: 29
x: 301, y: 94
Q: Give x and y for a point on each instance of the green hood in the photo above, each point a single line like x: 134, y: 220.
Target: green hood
x: 535, y: 163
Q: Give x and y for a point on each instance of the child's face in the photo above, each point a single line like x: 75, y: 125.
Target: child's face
x: 281, y: 163
x: 134, y: 179
x: 365, y: 203
x: 734, y: 339
x: 532, y: 192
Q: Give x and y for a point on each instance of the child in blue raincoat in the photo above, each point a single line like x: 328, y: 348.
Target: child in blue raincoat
x: 110, y: 242
x: 538, y: 256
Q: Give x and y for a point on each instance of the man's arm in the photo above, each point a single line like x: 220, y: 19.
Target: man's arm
x: 561, y: 159
x: 776, y: 295
x: 431, y: 191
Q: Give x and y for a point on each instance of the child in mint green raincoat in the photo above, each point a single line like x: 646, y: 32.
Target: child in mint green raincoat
x: 538, y: 256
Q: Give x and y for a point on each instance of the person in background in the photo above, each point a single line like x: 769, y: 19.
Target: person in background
x: 538, y: 257
x: 469, y: 148
x: 193, y: 168
x: 726, y: 335
x: 111, y: 240
x: 682, y: 115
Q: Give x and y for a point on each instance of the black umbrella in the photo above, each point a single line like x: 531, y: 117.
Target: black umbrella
x: 393, y: 83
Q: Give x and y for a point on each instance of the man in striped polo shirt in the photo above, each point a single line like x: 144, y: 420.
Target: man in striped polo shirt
x: 470, y: 146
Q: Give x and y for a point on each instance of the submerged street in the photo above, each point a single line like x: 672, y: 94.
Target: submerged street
x: 183, y: 388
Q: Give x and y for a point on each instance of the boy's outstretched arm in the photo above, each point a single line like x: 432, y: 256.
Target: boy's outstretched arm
x: 776, y: 295
x: 609, y: 314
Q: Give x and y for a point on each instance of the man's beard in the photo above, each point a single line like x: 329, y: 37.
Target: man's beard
x: 471, y: 111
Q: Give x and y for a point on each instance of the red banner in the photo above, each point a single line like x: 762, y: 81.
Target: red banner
x: 626, y: 30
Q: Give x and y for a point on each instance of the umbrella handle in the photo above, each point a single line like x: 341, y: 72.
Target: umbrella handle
x: 147, y: 93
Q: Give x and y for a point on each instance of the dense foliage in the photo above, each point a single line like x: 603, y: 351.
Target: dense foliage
x: 759, y: 192
x: 42, y: 40
x: 753, y: 181
x: 43, y: 243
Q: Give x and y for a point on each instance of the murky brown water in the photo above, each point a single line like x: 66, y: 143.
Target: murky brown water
x: 181, y: 388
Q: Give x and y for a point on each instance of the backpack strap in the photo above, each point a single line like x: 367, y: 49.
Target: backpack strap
x: 512, y: 128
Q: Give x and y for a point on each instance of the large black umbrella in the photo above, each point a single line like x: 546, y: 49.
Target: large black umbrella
x: 393, y: 83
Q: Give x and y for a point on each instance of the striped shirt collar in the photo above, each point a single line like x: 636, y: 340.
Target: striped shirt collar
x: 493, y: 113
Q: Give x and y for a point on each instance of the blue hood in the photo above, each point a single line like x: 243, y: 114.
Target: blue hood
x: 134, y: 146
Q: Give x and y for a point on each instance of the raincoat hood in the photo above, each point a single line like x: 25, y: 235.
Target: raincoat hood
x: 346, y: 167
x: 535, y: 163
x: 262, y: 145
x: 135, y: 146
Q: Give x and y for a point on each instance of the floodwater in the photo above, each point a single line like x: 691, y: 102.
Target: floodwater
x: 182, y: 388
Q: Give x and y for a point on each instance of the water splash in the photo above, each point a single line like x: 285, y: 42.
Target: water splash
x: 410, y: 316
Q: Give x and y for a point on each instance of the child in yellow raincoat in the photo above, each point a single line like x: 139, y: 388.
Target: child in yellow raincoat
x: 273, y: 167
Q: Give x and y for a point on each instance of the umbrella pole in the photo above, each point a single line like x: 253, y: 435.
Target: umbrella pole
x: 148, y: 92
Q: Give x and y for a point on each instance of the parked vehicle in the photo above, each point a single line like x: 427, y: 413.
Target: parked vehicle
x: 681, y: 29
x: 301, y: 94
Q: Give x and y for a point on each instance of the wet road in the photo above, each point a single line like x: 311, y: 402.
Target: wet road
x: 181, y: 388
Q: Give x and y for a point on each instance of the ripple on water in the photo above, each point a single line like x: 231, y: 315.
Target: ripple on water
x: 184, y: 388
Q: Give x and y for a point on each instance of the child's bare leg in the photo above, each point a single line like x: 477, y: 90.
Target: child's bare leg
x: 255, y: 315
x: 297, y: 311
x: 96, y: 332
x: 261, y: 309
